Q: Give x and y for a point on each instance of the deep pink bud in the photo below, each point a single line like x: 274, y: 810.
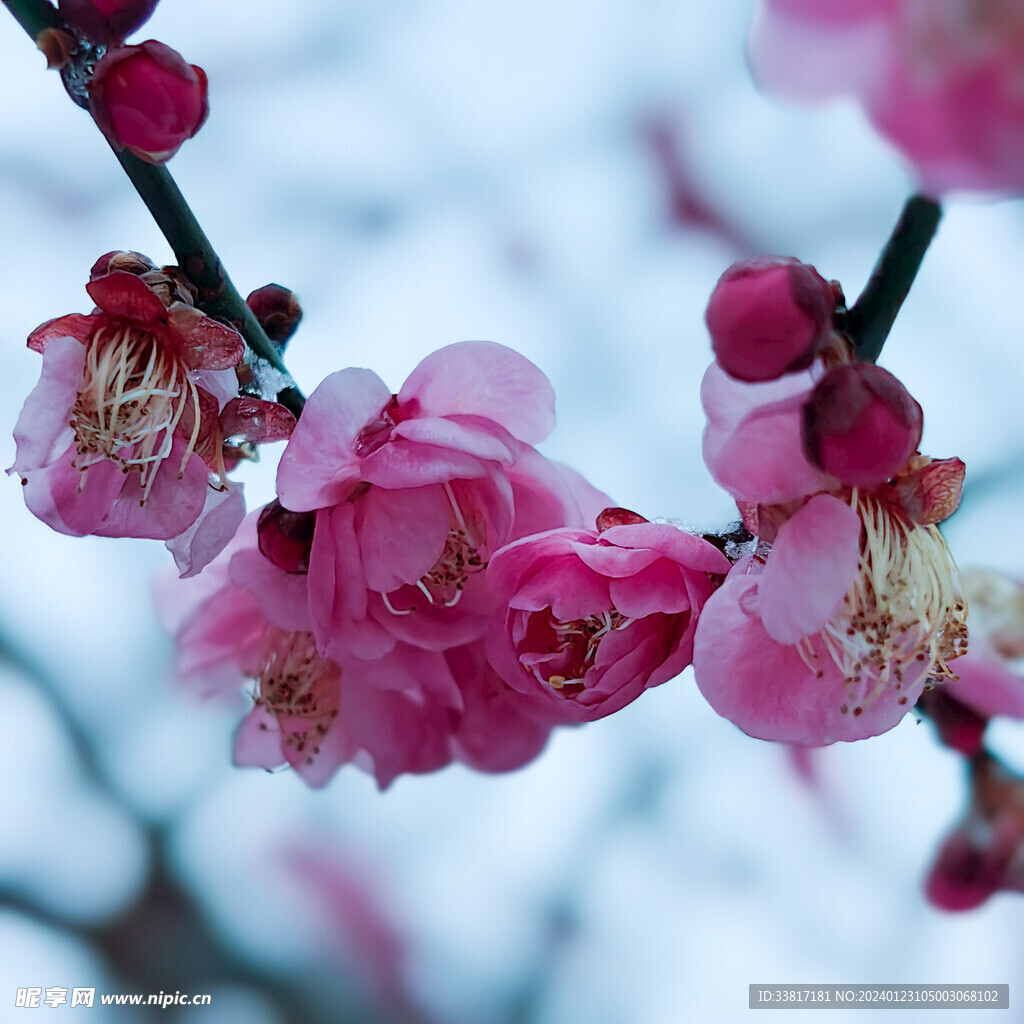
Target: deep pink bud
x: 106, y: 21
x: 286, y: 538
x: 768, y: 316
x: 959, y: 727
x: 277, y: 310
x: 861, y: 425
x: 147, y: 100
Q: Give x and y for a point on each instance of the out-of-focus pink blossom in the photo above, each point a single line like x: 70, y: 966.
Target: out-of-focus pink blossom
x: 244, y: 619
x: 592, y: 619
x: 148, y: 100
x: 499, y: 729
x: 985, y: 852
x: 990, y: 681
x: 769, y: 316
x: 845, y: 604
x: 940, y: 79
x: 413, y: 492
x: 861, y: 425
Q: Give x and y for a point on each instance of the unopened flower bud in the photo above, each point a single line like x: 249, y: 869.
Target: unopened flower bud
x: 285, y: 537
x: 861, y: 425
x: 278, y: 312
x: 769, y: 316
x: 130, y: 261
x: 147, y: 100
x: 106, y: 21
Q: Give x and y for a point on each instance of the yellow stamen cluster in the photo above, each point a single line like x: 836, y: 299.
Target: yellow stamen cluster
x: 133, y: 395
x: 903, y: 617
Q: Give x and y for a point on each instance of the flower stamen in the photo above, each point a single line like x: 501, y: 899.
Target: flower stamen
x: 133, y: 395
x: 903, y: 617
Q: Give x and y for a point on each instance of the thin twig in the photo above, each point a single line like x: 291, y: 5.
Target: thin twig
x: 870, y: 319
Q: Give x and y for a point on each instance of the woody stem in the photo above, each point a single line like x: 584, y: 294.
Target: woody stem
x: 870, y: 319
x: 217, y: 296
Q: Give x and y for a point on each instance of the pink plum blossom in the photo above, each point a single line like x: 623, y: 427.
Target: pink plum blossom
x: 413, y: 492
x: 122, y: 434
x: 939, y: 79
x: 844, y: 604
x: 590, y: 619
x: 243, y: 619
x: 990, y: 681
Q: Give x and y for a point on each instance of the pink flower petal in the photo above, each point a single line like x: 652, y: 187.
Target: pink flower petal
x: 173, y: 505
x: 484, y: 379
x: 319, y: 467
x: 567, y: 587
x: 682, y: 547
x: 473, y: 435
x: 549, y: 494
x: 337, y: 590
x: 402, y: 534
x: 258, y: 741
x: 201, y: 342
x: 43, y: 433
x: 767, y: 689
x: 659, y: 588
x: 280, y: 596
x: 499, y: 729
x: 404, y: 463
x: 610, y: 560
x: 218, y: 522
x: 74, y: 325
x: 987, y: 685
x: 127, y: 297
x: 810, y: 568
x: 58, y: 495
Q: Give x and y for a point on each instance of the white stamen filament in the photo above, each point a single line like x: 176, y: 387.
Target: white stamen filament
x: 903, y: 614
x: 133, y: 395
x: 591, y: 630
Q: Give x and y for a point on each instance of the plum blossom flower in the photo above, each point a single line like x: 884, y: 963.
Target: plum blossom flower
x: 413, y: 492
x: 148, y: 100
x: 593, y: 618
x: 990, y: 681
x: 939, y: 79
x: 243, y: 619
x: 844, y: 604
x: 121, y: 436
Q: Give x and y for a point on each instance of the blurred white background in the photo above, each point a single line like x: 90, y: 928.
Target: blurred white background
x: 569, y: 179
